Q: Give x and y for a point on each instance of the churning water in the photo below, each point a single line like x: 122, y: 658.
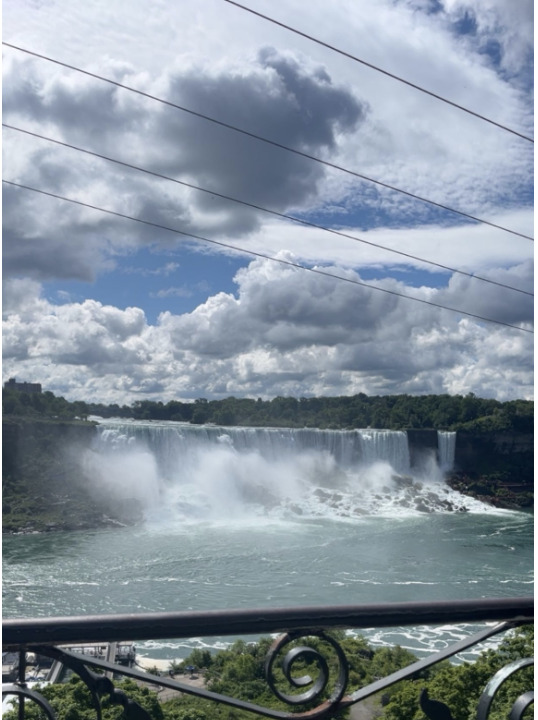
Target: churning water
x: 179, y: 472
x: 246, y: 518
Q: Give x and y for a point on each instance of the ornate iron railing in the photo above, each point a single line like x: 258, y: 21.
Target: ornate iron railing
x: 322, y: 697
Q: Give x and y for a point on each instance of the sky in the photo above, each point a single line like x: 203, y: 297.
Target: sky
x: 228, y: 265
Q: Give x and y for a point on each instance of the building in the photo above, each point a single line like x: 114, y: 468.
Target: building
x: 26, y: 387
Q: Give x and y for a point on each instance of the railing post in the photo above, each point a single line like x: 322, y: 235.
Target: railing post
x: 22, y: 681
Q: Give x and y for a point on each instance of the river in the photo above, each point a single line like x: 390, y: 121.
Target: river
x: 254, y: 519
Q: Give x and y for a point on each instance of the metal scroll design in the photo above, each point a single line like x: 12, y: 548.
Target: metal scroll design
x: 317, y: 693
x: 435, y: 710
x: 522, y: 702
x: 98, y: 685
x: 302, y: 653
x: 25, y: 693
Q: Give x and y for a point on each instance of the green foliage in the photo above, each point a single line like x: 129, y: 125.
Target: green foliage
x: 42, y: 405
x: 38, y: 493
x: 239, y: 672
x: 460, y: 686
x: 72, y: 701
x: 191, y: 708
x: 387, y: 660
x: 199, y: 659
x: 391, y: 412
x: 175, y: 667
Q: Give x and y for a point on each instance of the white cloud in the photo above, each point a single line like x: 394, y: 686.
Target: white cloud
x: 286, y: 332
x: 504, y: 22
x: 469, y: 248
x: 280, y: 98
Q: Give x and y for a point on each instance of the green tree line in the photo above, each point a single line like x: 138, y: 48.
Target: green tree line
x: 44, y: 405
x: 391, y: 412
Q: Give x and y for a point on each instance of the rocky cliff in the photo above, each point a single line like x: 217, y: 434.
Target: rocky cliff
x: 44, y: 483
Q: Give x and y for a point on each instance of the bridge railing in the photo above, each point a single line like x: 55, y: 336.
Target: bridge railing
x: 324, y: 694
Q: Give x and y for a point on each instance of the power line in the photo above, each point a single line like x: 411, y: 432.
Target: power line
x: 263, y: 209
x: 247, y: 133
x: 378, y: 69
x: 263, y: 255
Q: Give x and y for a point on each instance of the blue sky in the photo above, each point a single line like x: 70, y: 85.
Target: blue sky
x: 184, y: 281
x: 97, y: 306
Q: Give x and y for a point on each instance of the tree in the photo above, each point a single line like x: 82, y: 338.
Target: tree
x: 460, y: 686
x: 72, y: 701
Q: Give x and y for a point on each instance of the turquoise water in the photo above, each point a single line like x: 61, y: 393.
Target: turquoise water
x: 238, y: 518
x: 264, y: 562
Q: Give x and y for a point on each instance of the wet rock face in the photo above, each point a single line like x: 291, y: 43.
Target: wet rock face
x: 45, y: 487
x: 405, y: 494
x: 502, y: 452
x: 422, y: 507
x: 126, y: 511
x: 403, y: 480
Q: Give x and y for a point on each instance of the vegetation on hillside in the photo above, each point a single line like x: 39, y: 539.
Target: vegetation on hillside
x: 391, y: 412
x: 239, y: 673
x: 44, y: 405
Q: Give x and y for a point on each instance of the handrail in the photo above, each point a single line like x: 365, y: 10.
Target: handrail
x: 45, y: 636
x: 155, y: 626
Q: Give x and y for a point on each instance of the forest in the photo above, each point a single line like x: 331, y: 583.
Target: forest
x: 239, y: 672
x: 390, y: 412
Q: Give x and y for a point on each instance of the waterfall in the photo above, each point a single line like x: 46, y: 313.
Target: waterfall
x: 446, y: 449
x: 175, y: 443
x: 388, y: 445
x: 205, y: 472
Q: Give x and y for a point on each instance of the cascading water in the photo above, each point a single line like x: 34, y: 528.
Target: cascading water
x: 447, y: 450
x: 177, y: 471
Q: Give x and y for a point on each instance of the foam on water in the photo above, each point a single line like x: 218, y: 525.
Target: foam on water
x: 272, y: 563
x: 421, y: 641
x: 179, y: 472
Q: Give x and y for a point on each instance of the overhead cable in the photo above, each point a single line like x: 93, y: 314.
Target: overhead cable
x: 281, y: 261
x: 273, y: 143
x: 263, y: 209
x: 380, y: 70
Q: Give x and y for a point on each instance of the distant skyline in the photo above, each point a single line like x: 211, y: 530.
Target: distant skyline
x: 102, y: 308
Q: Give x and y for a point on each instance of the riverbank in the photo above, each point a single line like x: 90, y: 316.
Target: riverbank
x: 494, y: 491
